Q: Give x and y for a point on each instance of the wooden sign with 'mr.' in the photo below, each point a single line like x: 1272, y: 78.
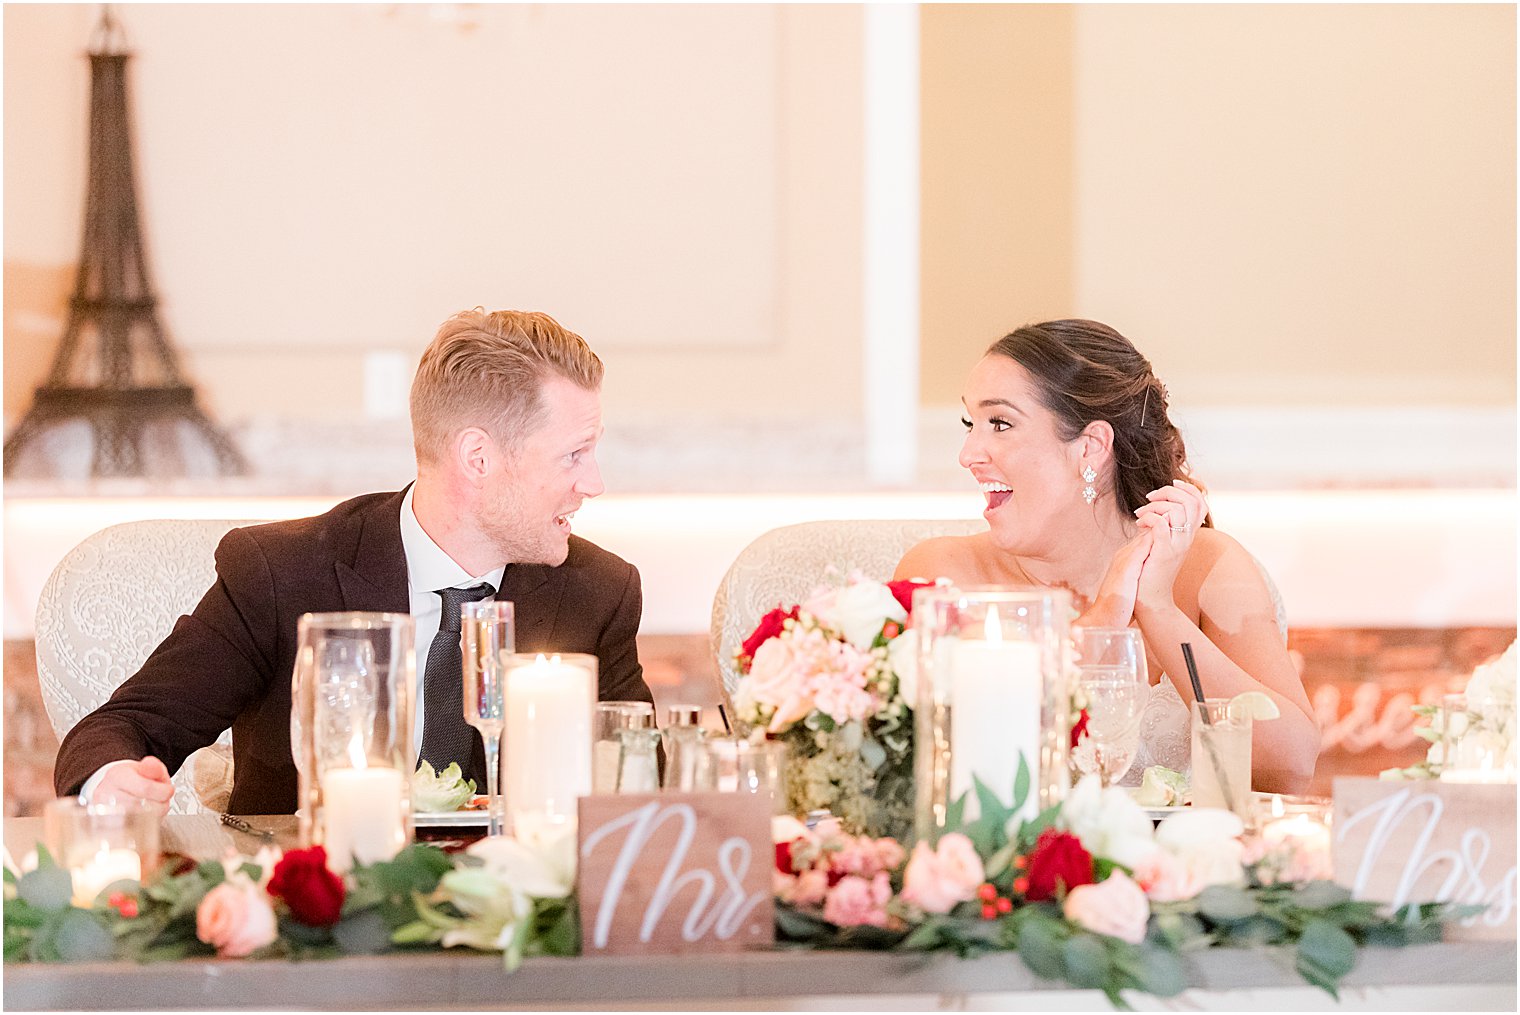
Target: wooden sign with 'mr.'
x: 1428, y: 841
x: 666, y: 873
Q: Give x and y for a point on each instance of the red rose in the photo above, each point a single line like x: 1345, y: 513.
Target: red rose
x: 1059, y: 862
x: 770, y: 625
x: 1079, y: 729
x: 313, y: 893
x: 784, y: 857
x: 903, y: 591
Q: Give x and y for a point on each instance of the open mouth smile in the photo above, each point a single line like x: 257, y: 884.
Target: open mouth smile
x: 997, y: 494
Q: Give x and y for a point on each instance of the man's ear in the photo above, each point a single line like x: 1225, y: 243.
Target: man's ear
x: 475, y: 454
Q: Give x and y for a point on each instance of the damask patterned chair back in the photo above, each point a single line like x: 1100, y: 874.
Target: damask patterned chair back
x: 784, y: 565
x: 106, y: 606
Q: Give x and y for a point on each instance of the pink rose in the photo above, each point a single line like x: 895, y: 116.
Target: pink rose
x: 1115, y: 906
x: 235, y: 918
x: 854, y: 902
x: 808, y: 889
x: 778, y: 679
x: 936, y: 880
x: 889, y: 853
x: 1167, y: 877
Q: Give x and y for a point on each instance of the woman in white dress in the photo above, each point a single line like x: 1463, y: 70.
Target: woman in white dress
x: 1086, y: 489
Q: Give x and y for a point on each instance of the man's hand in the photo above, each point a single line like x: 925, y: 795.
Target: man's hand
x: 145, y: 779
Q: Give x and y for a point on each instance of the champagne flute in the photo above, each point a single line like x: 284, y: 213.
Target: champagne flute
x: 1112, y: 675
x: 486, y: 631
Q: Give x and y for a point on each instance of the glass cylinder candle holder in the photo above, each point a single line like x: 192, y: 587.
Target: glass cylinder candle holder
x: 101, y: 843
x: 1292, y: 837
x: 548, y: 739
x: 1477, y: 740
x: 741, y: 765
x: 992, y: 688
x: 352, y: 697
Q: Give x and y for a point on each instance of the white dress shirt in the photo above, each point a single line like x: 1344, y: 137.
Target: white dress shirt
x: 428, y: 569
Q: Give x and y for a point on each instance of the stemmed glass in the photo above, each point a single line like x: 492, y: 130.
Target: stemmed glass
x: 1112, y: 676
x: 486, y: 633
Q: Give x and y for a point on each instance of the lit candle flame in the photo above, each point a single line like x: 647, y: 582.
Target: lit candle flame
x: 356, y: 751
x: 994, y: 626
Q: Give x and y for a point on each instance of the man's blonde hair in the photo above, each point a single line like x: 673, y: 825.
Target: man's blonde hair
x: 487, y: 370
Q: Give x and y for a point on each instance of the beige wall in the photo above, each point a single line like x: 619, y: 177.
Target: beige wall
x: 1282, y: 205
x: 997, y: 179
x: 679, y: 183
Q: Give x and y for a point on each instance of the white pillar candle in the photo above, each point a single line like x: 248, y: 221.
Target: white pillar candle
x: 106, y: 866
x: 361, y: 816
x: 548, y: 738
x: 995, y: 696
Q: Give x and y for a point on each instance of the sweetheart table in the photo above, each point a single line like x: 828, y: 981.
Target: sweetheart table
x: 1448, y: 976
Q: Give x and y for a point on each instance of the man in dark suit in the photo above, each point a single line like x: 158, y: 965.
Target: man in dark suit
x: 506, y: 416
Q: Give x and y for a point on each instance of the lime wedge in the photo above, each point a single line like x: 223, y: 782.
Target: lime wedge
x: 1256, y: 704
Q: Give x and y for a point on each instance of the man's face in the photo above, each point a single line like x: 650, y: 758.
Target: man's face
x: 527, y: 509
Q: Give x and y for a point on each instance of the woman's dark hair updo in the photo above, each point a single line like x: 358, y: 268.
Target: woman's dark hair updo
x: 1087, y: 371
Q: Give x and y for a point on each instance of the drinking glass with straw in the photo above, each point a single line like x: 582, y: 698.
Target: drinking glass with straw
x: 1221, y: 747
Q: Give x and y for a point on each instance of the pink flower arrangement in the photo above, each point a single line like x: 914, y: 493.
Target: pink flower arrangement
x: 827, y: 655
x: 848, y: 875
x: 834, y: 678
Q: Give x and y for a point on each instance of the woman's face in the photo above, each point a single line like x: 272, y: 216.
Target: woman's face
x: 1029, y: 476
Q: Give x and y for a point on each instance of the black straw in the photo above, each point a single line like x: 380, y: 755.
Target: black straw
x: 1208, y: 742
x: 1192, y: 667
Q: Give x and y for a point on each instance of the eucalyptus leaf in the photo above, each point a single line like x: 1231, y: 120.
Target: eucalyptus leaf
x: 1328, y: 947
x: 81, y: 937
x: 1321, y: 895
x: 1041, y: 947
x: 46, y: 888
x: 1086, y: 961
x: 1226, y: 904
x: 1160, y: 971
x: 362, y: 933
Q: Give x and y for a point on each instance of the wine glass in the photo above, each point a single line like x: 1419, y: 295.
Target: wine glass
x: 1112, y: 676
x: 486, y: 630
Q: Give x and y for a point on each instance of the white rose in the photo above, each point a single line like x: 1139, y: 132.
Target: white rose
x: 1207, y: 841
x: 862, y: 609
x: 902, y: 656
x: 1108, y: 821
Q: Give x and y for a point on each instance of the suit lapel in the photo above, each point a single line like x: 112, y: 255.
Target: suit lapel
x: 534, y: 591
x: 374, y: 577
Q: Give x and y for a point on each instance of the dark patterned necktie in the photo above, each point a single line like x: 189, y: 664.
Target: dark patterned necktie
x: 446, y: 737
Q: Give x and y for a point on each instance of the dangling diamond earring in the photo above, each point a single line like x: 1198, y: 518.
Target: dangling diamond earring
x: 1088, y: 493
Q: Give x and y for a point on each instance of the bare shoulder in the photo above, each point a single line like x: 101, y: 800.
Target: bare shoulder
x: 1219, y: 565
x: 959, y: 558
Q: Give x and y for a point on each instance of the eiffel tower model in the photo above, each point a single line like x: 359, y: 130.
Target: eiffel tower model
x: 129, y: 376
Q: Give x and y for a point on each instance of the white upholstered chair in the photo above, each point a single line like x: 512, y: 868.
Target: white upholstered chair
x: 784, y: 565
x: 106, y: 606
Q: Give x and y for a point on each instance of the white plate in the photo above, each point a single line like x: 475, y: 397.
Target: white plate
x: 1157, y: 813
x: 449, y: 819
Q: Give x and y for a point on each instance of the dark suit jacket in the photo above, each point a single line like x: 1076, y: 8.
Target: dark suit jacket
x: 229, y: 662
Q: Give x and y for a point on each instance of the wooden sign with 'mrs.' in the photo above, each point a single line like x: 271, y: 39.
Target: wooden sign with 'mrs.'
x: 1428, y: 841
x: 665, y: 873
